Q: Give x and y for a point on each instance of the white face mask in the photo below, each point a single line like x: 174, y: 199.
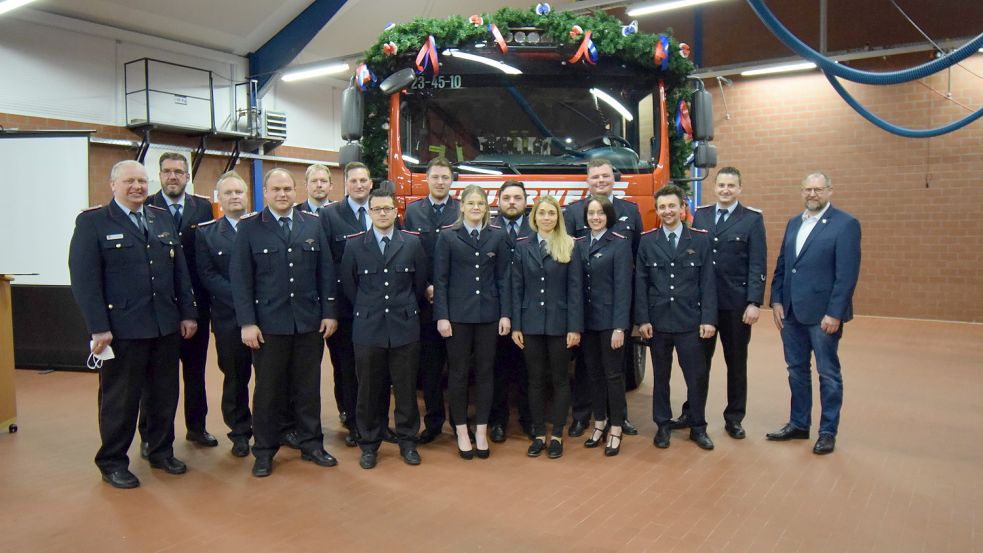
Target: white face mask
x: 95, y: 360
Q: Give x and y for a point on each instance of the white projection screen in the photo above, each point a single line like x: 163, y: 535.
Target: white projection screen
x: 45, y: 182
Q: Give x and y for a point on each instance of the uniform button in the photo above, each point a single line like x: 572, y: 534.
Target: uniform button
x: 384, y: 271
x: 406, y: 270
x: 386, y: 297
x: 714, y: 262
x: 543, y: 278
x: 438, y: 230
x: 148, y: 246
x: 672, y: 287
x: 672, y: 275
x: 257, y: 301
x: 151, y: 261
x: 672, y: 264
x: 291, y: 279
x: 714, y: 250
x: 119, y: 245
x: 672, y: 299
x: 793, y: 270
x: 477, y: 291
x: 110, y: 306
x: 716, y: 239
x: 386, y: 283
x: 266, y: 251
x: 542, y: 290
x: 289, y: 250
x: 220, y: 252
x: 477, y: 266
x: 691, y: 264
x: 154, y: 294
x: 477, y: 278
x: 476, y: 253
x: 386, y: 310
x: 290, y: 264
x: 291, y: 294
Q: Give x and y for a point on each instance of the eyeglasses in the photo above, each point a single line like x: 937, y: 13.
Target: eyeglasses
x: 816, y: 191
x: 386, y: 210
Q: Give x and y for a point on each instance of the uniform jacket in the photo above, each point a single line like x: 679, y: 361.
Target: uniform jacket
x: 197, y: 209
x: 547, y: 296
x: 740, y: 255
x: 284, y: 287
x: 629, y: 222
x: 472, y: 281
x: 607, y: 281
x: 675, y: 291
x: 523, y: 230
x: 385, y: 291
x: 821, y: 279
x: 214, y: 251
x: 133, y: 286
x: 306, y: 207
x: 421, y: 219
x: 339, y: 222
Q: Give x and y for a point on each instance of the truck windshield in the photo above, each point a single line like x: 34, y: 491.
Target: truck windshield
x: 524, y: 125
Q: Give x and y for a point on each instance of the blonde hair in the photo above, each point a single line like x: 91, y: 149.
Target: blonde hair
x: 471, y: 190
x: 558, y: 243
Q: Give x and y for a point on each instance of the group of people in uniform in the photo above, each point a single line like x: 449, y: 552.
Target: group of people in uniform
x: 504, y: 303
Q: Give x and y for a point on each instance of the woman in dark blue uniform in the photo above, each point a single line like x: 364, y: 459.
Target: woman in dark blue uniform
x: 471, y: 305
x: 549, y: 316
x: 607, y: 292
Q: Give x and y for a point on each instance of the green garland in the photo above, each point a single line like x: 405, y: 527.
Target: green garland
x: 456, y: 30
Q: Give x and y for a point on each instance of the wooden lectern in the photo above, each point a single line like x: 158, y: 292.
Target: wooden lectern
x: 8, y: 398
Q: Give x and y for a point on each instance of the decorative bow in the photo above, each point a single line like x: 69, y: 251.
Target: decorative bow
x: 684, y: 49
x: 587, y: 51
x: 543, y: 9
x: 499, y: 39
x: 364, y: 76
x: 661, y: 55
x: 576, y: 31
x: 390, y: 48
x: 427, y: 57
x: 683, y: 124
x: 476, y: 20
x: 388, y: 26
x: 630, y: 29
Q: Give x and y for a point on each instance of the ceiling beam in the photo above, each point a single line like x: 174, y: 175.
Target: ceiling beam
x: 280, y: 50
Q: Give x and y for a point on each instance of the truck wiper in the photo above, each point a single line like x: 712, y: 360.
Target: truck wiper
x: 488, y: 163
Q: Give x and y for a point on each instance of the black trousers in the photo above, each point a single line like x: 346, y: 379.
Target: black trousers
x: 194, y: 354
x: 142, y: 368
x: 606, y: 368
x: 510, y: 379
x: 236, y: 363
x: 288, y: 369
x: 342, y: 353
x: 433, y: 357
x: 735, y: 337
x: 689, y: 350
x: 548, y: 357
x: 471, y: 345
x: 581, y: 392
x: 379, y: 370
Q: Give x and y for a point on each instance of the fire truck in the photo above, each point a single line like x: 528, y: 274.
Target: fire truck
x: 533, y: 97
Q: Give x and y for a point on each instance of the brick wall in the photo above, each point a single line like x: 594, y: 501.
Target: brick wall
x: 919, y: 201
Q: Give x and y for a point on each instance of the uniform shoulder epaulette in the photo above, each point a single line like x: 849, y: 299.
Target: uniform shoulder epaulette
x: 521, y: 238
x: 248, y: 215
x: 414, y: 202
x: 414, y: 233
x: 577, y: 238
x: 91, y: 208
x: 206, y: 223
x: 705, y: 206
x: 754, y: 209
x: 650, y: 231
x: 493, y: 225
x: 152, y: 206
x: 699, y: 230
x: 310, y: 213
x: 350, y: 236
x: 624, y: 200
x: 206, y: 198
x: 447, y: 226
x: 623, y: 237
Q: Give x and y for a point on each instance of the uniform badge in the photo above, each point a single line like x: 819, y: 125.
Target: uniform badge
x: 690, y: 252
x: 309, y: 241
x: 491, y: 254
x: 824, y: 221
x: 598, y: 255
x: 164, y: 234
x: 623, y: 218
x: 114, y: 237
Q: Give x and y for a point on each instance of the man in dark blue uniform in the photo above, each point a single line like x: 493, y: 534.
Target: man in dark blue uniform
x: 383, y: 272
x: 600, y: 182
x: 132, y: 284
x: 318, y: 178
x: 740, y: 254
x: 510, y: 367
x: 283, y: 285
x: 426, y: 217
x: 214, y: 243
x: 675, y: 306
x: 188, y: 211
x: 811, y: 299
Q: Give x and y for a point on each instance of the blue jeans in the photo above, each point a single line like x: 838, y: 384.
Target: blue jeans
x: 800, y: 341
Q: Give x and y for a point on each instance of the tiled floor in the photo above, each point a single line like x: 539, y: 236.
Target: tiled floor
x: 907, y: 474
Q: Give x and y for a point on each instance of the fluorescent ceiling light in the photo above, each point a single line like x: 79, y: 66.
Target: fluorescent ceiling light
x: 479, y: 170
x: 784, y: 68
x: 649, y: 9
x: 609, y: 100
x: 504, y: 68
x: 8, y: 5
x: 410, y: 159
x: 311, y: 72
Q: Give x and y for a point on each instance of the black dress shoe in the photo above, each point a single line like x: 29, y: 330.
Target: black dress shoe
x: 628, y: 428
x: 144, y: 450
x: 202, y: 438
x: 289, y: 439
x: 597, y: 436
x: 351, y: 439
x: 390, y: 437
x: 577, y: 429
x: 613, y: 446
x: 240, y: 448
x: 428, y: 436
x: 788, y: 432
x: 735, y: 430
x: 410, y: 456
x: 825, y: 444
x: 682, y: 422
x: 263, y: 467
x: 482, y: 453
x: 701, y: 439
x: 122, y: 479
x: 536, y: 448
x: 662, y: 435
x: 497, y: 433
x: 319, y: 457
x: 555, y: 450
x: 466, y: 454
x: 170, y: 465
x: 367, y: 460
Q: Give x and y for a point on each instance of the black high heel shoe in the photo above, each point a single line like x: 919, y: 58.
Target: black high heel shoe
x: 610, y: 450
x: 596, y: 440
x: 467, y: 455
x: 482, y: 453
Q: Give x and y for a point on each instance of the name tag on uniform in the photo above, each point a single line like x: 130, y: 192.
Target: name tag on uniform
x: 114, y: 237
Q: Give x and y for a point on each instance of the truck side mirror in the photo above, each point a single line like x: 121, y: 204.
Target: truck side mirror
x: 352, y: 113
x: 702, y: 115
x: 704, y: 155
x: 397, y: 81
x: 349, y: 152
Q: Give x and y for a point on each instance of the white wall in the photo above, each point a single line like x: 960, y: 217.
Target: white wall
x: 61, y: 68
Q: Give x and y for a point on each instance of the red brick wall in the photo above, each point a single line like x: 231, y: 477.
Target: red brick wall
x: 919, y: 201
